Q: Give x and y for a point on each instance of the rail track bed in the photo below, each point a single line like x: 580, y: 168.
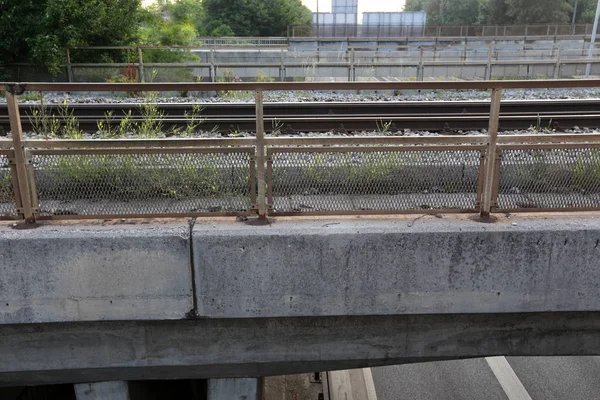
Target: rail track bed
x: 342, y: 117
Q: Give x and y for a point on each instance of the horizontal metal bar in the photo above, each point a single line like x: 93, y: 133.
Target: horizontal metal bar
x: 7, y: 153
x: 133, y: 87
x: 136, y: 216
x: 376, y: 149
x: 6, y: 144
x: 553, y: 146
x: 372, y: 140
x: 136, y: 143
x: 551, y: 138
x: 544, y: 210
x: 185, y: 150
x: 119, y: 65
x: 372, y: 212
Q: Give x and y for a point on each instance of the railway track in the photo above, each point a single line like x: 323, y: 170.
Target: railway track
x: 341, y: 116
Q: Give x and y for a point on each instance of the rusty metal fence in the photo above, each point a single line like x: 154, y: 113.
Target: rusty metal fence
x: 270, y: 175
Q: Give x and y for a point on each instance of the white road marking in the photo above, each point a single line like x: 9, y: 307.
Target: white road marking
x: 508, y: 379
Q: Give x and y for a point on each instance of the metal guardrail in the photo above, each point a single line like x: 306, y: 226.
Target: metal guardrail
x: 266, y: 175
x: 553, y: 58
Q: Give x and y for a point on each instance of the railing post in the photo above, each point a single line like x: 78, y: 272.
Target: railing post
x: 141, y: 77
x: 558, y: 61
x: 420, y: 67
x: 260, y: 155
x: 24, y: 209
x: 488, y: 70
x: 490, y: 164
x: 352, y: 68
x: 69, y: 67
x: 282, y: 71
x: 213, y: 70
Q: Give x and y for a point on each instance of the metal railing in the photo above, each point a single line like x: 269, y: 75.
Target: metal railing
x: 269, y: 175
x: 481, y: 61
x: 391, y: 31
x: 242, y: 41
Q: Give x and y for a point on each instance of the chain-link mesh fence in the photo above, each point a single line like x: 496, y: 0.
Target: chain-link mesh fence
x: 550, y: 178
x: 382, y: 179
x: 7, y: 195
x: 152, y: 183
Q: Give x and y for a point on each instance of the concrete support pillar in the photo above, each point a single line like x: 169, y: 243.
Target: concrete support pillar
x: 115, y: 390
x: 234, y: 389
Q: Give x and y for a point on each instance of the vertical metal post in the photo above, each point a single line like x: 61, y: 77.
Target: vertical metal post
x: 260, y: 155
x: 213, y: 69
x: 588, y: 67
x: 420, y: 67
x: 282, y: 73
x: 25, y: 209
x: 141, y: 77
x: 352, y: 69
x: 488, y: 184
x: 488, y: 70
x: 574, y: 17
x: 557, y: 65
x: 69, y: 67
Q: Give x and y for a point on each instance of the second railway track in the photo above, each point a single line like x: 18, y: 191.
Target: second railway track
x: 340, y: 116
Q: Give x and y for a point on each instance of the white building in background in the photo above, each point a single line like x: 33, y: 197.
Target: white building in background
x: 343, y: 20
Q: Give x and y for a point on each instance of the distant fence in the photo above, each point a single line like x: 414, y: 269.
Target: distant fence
x: 242, y: 41
x: 396, y: 31
x: 269, y: 175
x: 353, y: 62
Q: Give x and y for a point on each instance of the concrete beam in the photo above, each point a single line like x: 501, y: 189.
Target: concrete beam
x: 74, y: 272
x: 396, y: 266
x: 115, y: 390
x: 234, y: 389
x: 198, y: 349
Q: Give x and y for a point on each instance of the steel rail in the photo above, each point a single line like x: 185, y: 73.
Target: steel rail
x: 324, y: 116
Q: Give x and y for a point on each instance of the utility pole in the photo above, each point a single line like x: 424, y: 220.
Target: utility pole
x: 593, y: 41
x: 318, y: 16
x: 574, y: 17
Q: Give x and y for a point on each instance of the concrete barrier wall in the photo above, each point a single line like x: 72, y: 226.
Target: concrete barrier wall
x: 298, y: 268
x: 93, y: 273
x: 292, y: 269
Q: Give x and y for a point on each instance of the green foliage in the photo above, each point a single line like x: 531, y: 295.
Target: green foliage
x: 178, y: 30
x: 64, y: 125
x: 222, y: 30
x: 540, y: 12
x: 38, y: 31
x: 586, y: 174
x: 130, y: 177
x: 254, y: 17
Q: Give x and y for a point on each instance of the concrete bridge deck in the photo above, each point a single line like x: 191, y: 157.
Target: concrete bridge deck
x: 120, y: 300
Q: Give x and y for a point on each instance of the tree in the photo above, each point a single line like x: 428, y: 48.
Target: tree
x: 540, y: 11
x: 38, y: 31
x: 463, y: 12
x: 254, y: 17
x: 497, y: 13
x: 431, y: 7
x: 586, y: 11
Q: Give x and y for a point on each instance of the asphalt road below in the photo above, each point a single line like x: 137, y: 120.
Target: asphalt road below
x: 497, y: 378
